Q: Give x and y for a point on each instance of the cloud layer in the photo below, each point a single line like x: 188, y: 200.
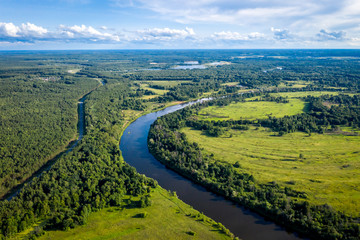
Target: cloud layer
x: 235, y: 36
x: 165, y: 34
x: 183, y: 24
x: 86, y: 33
x: 324, y: 35
x: 277, y: 37
x: 251, y: 12
x: 26, y: 31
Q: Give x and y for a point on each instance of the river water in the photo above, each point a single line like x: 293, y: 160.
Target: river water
x: 243, y: 223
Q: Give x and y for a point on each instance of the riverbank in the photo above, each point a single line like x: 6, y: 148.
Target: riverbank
x: 181, y: 222
x: 283, y: 205
x: 241, y: 222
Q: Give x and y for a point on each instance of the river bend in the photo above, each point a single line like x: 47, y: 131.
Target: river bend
x: 243, y: 223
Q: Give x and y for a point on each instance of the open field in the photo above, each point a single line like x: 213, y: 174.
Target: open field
x: 230, y: 84
x: 164, y: 83
x: 168, y: 84
x: 258, y: 110
x: 295, y: 84
x: 73, y: 71
x: 158, y: 92
x: 328, y: 171
x: 304, y: 94
x: 252, y: 110
x: 325, y: 166
x: 167, y: 218
x: 146, y: 97
x: 155, y: 90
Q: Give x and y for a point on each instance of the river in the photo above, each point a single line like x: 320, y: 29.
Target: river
x: 243, y: 223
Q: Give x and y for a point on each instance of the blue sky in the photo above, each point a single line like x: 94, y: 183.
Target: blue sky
x: 178, y: 24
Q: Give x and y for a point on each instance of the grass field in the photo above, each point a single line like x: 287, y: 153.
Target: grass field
x: 252, y: 110
x: 73, y: 71
x: 158, y: 92
x: 155, y: 90
x: 167, y: 218
x: 294, y: 84
x: 230, y: 84
x: 328, y: 171
x: 304, y: 94
x: 257, y: 110
x: 168, y: 84
x: 165, y: 83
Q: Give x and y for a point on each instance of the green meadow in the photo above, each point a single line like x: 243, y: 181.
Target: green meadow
x: 325, y: 166
x: 155, y: 90
x: 146, y: 85
x: 259, y: 109
x: 294, y: 84
x: 292, y: 95
x: 230, y: 84
x: 328, y: 170
x: 167, y: 218
x: 165, y: 83
x: 252, y: 110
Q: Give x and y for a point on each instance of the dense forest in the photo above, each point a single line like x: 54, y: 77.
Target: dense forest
x: 38, y: 105
x: 37, y: 118
x: 89, y: 178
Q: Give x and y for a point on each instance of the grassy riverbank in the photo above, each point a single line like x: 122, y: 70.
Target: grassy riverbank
x: 324, y: 166
x: 167, y: 218
x: 327, y: 170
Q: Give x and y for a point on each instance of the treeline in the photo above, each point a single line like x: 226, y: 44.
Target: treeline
x: 323, y: 112
x: 268, y: 98
x: 335, y: 68
x: 284, y: 205
x: 91, y: 177
x: 217, y: 128
x: 184, y: 92
x: 254, y: 72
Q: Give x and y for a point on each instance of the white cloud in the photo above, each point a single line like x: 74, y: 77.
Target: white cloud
x: 165, y: 34
x: 235, y: 36
x: 324, y: 35
x: 304, y: 17
x: 25, y: 30
x: 86, y: 33
x: 8, y: 29
x: 29, y: 32
x: 281, y: 34
x: 32, y: 30
x: 234, y: 11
